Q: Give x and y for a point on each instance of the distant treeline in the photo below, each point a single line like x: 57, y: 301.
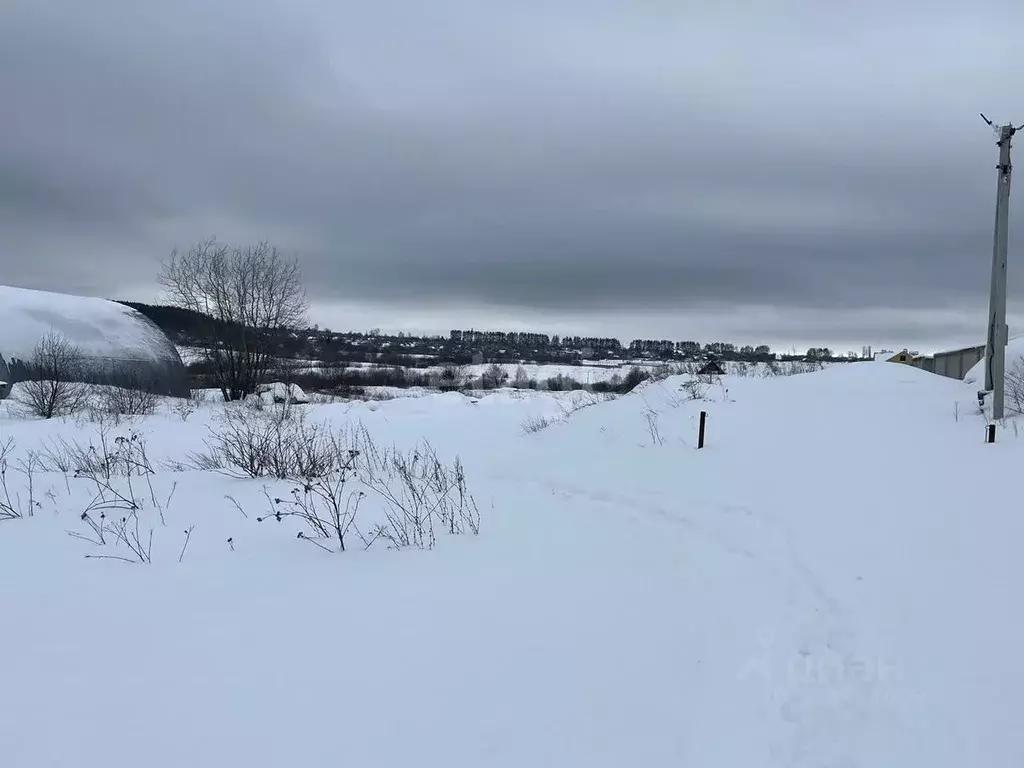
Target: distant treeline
x: 461, y: 347
x: 448, y: 378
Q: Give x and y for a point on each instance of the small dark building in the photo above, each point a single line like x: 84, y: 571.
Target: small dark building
x: 118, y: 345
x: 711, y: 368
x: 5, y: 379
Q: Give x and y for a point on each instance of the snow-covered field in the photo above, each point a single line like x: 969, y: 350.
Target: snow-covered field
x: 541, y: 372
x: 592, y: 373
x: 832, y: 581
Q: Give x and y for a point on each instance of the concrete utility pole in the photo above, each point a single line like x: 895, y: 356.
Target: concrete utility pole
x: 996, y: 338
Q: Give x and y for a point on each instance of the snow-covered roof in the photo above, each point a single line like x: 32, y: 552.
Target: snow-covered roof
x: 98, y: 327
x: 886, y: 356
x: 103, y: 330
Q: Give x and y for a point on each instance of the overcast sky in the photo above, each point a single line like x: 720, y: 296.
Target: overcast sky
x: 782, y: 172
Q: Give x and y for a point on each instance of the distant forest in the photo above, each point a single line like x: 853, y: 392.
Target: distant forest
x: 461, y: 347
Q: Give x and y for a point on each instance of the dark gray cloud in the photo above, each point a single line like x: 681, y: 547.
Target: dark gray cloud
x: 653, y: 164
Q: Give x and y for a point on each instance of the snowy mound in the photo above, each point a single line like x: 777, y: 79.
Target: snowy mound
x: 279, y: 392
x: 1014, y: 355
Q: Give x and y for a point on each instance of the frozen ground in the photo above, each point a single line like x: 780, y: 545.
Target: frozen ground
x: 832, y: 581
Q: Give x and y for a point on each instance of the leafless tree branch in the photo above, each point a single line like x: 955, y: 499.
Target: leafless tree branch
x: 53, y: 387
x: 250, y: 295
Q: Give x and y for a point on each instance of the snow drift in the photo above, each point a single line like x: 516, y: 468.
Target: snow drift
x: 1014, y: 357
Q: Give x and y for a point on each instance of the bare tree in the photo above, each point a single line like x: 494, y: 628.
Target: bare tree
x: 136, y: 399
x: 493, y: 377
x: 52, y: 386
x: 452, y: 378
x: 250, y: 296
x: 521, y: 380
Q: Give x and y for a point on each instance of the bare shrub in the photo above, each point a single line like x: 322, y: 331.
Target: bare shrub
x: 12, y: 507
x: 124, y: 401
x: 94, y: 413
x: 250, y: 296
x: 113, y: 468
x: 245, y: 442
x: 352, y: 381
x: 666, y: 370
x: 791, y: 368
x: 577, y: 402
x: 806, y: 366
x: 104, y: 456
x: 562, y: 383
x: 694, y: 388
x: 53, y: 386
x: 379, y: 396
x: 453, y: 378
x: 418, y: 496
x: 113, y: 518
x: 653, y: 429
x: 328, y: 505
x: 1014, y: 385
x: 580, y: 400
x: 121, y: 529
x: 184, y: 407
x: 535, y: 423
x: 522, y: 380
x: 494, y: 377
x: 612, y: 384
x: 634, y: 378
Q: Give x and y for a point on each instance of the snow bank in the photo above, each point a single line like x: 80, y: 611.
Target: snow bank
x: 280, y: 392
x: 1014, y: 354
x: 819, y: 586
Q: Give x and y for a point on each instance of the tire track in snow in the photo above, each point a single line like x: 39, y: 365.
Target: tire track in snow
x: 823, y: 690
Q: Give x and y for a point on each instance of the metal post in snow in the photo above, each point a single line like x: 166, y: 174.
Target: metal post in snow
x: 996, y: 338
